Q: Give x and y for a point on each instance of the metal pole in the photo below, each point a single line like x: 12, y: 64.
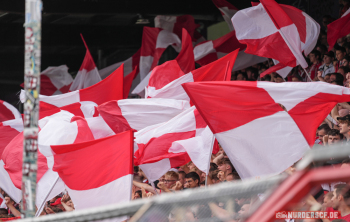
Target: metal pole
x: 32, y: 62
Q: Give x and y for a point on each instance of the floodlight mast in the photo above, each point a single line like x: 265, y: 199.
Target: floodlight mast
x: 32, y: 63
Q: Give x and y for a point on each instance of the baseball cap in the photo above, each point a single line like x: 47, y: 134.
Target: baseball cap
x: 57, y: 202
x: 347, y: 117
x: 330, y: 54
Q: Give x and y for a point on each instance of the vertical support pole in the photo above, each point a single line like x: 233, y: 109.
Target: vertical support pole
x: 32, y: 63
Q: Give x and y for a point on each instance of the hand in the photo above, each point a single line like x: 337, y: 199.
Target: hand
x: 65, y: 198
x: 178, y: 186
x: 161, y: 185
x: 49, y: 210
x: 143, y: 191
x: 221, y: 176
x: 325, y: 139
x: 348, y: 75
x: 8, y: 201
x: 149, y: 194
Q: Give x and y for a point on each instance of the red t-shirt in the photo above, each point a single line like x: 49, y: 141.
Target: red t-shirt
x: 346, y: 217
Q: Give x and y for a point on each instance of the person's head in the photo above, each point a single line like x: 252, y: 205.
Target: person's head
x: 138, y: 194
x: 315, y: 56
x: 171, y: 178
x: 337, y: 77
x: 192, y: 180
x: 3, y: 211
x: 328, y: 57
x: 214, y: 176
x: 232, y: 176
x: 346, y: 45
x: 278, y: 78
x: 327, y: 78
x: 343, y: 70
x: 244, y: 211
x: 213, y: 166
x: 252, y: 73
x: 225, y: 165
x: 327, y: 199
x: 334, y: 136
x: 340, y: 53
x: 322, y: 49
x: 182, y: 177
x: 323, y: 38
x: 344, y: 126
x: 323, y: 130
x: 141, y: 173
x: 341, y: 196
x: 346, y: 61
x: 326, y: 20
x: 242, y: 76
x: 191, y: 165
x: 296, y: 78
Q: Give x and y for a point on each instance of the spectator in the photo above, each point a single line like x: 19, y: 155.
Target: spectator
x: 343, y: 70
x: 296, y: 78
x: 322, y: 49
x: 225, y: 166
x: 344, y: 126
x: 321, y: 132
x: 340, y: 53
x: 277, y: 78
x: 315, y: 60
x: 171, y: 178
x: 242, y: 76
x: 341, y: 200
x: 333, y: 137
x: 327, y: 66
x: 346, y: 61
x: 192, y: 180
x: 252, y: 74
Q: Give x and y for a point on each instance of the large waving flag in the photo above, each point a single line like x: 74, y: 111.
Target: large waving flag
x: 54, y: 80
x: 227, y: 11
x: 209, y: 51
x: 338, y: 29
x: 137, y: 114
x: 8, y: 112
x: 260, y: 137
x: 88, y: 74
x: 219, y: 70
x: 111, y: 88
x: 276, y: 31
x: 99, y: 179
x: 173, y: 143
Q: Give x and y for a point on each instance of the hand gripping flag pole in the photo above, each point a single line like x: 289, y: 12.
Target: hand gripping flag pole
x: 32, y: 61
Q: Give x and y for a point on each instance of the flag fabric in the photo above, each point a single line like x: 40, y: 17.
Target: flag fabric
x: 227, y: 11
x: 9, y: 130
x: 84, y: 109
x: 8, y: 112
x: 128, y: 80
x: 168, y: 145
x: 2, y: 201
x: 170, y: 70
x: 276, y: 31
x: 260, y: 137
x: 88, y: 74
x: 108, y: 171
x: 137, y: 114
x: 108, y: 89
x: 209, y: 51
x: 338, y: 29
x: 215, y: 71
x: 154, y: 43
x: 176, y: 24
x: 54, y: 80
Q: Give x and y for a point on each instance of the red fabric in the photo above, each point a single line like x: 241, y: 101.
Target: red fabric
x: 215, y: 71
x: 127, y: 82
x: 49, y: 109
x: 185, y: 22
x: 9, y: 219
x: 186, y: 56
x: 84, y: 132
x: 99, y: 161
x: 149, y: 41
x: 88, y: 62
x: 272, y: 69
x: 276, y: 13
x: 337, y: 29
x: 236, y: 99
x: 159, y: 147
x: 346, y: 217
x: 46, y: 86
x: 6, y: 135
x: 111, y: 88
x: 12, y: 157
x: 57, y: 202
x: 113, y: 116
x: 163, y: 74
x: 296, y: 15
x: 224, y: 3
x: 5, y: 113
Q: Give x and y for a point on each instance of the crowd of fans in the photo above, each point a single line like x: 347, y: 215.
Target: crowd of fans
x: 331, y: 67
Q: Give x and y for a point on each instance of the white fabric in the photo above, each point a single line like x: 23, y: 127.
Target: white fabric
x: 257, y: 23
x: 88, y: 108
x: 204, y: 49
x: 7, y: 185
x: 145, y: 67
x: 347, y: 12
x: 297, y: 92
x: 165, y: 22
x: 156, y: 170
x: 99, y: 127
x: 14, y: 111
x: 117, y: 191
x: 252, y: 151
x: 227, y: 15
x: 57, y: 100
x: 109, y: 69
x: 85, y: 79
x: 141, y: 113
x: 16, y: 124
x: 2, y: 198
x: 172, y: 90
x: 58, y: 75
x: 140, y: 88
x: 245, y: 60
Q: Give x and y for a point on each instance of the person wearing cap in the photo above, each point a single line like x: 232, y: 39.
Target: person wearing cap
x: 327, y: 66
x: 344, y: 126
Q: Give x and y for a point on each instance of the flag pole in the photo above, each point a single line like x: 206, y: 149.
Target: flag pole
x: 38, y: 212
x: 32, y: 61
x: 211, y: 151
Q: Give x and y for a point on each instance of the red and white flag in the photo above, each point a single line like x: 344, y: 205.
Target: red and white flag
x: 173, y: 143
x: 99, y: 179
x: 219, y: 70
x: 275, y: 31
x: 260, y: 137
x: 2, y: 201
x: 9, y: 130
x: 154, y: 43
x: 108, y: 89
x: 212, y: 50
x: 128, y: 82
x: 54, y: 80
x: 338, y: 29
x: 8, y: 112
x: 170, y: 70
x: 137, y: 114
x: 227, y: 11
x: 88, y: 74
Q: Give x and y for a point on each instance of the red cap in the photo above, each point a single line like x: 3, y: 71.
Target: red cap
x: 57, y: 202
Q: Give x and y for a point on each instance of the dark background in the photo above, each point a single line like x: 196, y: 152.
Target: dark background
x: 108, y: 27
